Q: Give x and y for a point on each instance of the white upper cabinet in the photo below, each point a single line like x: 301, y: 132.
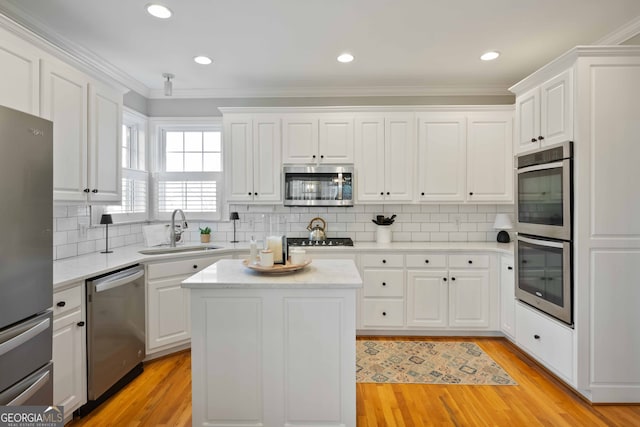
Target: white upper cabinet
x: 441, y: 157
x: 64, y: 101
x: 490, y: 157
x: 253, y: 159
x: 384, y: 158
x: 105, y: 124
x: 20, y: 83
x: 87, y: 134
x: 315, y: 140
x: 545, y: 113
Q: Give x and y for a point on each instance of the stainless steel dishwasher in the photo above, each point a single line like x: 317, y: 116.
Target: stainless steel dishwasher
x: 115, y: 333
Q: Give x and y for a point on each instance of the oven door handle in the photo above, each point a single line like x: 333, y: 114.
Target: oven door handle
x: 546, y: 243
x: 544, y: 166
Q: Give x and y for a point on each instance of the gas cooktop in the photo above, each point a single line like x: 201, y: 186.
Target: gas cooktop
x: 334, y: 241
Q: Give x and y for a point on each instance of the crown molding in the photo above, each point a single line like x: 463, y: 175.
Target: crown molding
x: 366, y: 109
x: 37, y: 33
x: 622, y: 34
x: 285, y: 92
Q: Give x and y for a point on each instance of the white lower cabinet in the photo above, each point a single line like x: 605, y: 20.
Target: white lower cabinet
x: 507, y: 297
x: 69, y: 349
x: 168, y: 306
x: 449, y: 298
x: 383, y: 291
x: 547, y: 340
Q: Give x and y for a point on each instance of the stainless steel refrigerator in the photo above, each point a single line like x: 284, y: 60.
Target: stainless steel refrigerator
x: 26, y: 261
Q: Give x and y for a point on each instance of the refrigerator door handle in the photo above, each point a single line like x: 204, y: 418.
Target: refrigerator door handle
x: 33, y: 388
x: 110, y: 284
x: 23, y: 337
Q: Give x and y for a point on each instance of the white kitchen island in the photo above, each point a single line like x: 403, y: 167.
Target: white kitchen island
x: 274, y: 350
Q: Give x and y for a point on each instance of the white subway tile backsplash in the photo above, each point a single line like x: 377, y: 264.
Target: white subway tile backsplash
x: 413, y: 222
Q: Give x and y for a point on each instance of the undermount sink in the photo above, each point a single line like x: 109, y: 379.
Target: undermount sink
x: 178, y: 249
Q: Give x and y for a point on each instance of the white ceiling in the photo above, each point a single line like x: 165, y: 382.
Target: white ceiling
x: 289, y: 47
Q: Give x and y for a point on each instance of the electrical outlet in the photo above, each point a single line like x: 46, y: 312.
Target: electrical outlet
x: 83, y: 226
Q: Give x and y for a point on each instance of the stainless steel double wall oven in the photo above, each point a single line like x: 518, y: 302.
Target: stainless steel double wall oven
x: 544, y: 204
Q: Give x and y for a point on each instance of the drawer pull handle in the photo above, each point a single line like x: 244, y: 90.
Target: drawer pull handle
x: 426, y: 261
x: 195, y: 266
x: 384, y: 283
x: 61, y: 304
x: 470, y: 262
x: 453, y: 278
x: 536, y: 336
x: 509, y: 268
x: 81, y: 324
x: 384, y: 313
x: 384, y: 261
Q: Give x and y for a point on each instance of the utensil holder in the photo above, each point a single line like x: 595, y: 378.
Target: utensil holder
x: 383, y: 234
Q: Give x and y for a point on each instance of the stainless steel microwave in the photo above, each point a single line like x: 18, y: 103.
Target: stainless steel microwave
x: 318, y: 185
x: 544, y: 192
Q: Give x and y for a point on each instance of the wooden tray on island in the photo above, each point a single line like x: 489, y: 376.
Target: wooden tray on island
x: 276, y: 268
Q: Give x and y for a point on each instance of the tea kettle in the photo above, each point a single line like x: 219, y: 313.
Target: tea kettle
x: 317, y: 232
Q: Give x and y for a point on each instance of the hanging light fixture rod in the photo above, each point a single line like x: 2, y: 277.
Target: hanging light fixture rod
x: 168, y: 85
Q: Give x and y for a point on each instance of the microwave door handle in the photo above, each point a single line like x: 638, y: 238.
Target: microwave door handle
x: 541, y: 167
x: 546, y: 243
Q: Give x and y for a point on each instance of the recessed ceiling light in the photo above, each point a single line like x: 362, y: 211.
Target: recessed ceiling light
x: 345, y: 57
x: 202, y: 60
x: 490, y: 56
x: 159, y: 11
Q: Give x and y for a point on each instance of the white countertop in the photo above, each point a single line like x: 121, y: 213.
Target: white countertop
x: 320, y: 274
x: 72, y: 270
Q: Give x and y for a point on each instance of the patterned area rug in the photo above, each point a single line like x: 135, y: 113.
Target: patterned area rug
x: 423, y: 362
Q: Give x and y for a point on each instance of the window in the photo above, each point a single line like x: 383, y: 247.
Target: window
x: 189, y: 173
x: 135, y: 178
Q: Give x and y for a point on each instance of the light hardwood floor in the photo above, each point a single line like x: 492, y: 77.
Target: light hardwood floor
x: 161, y: 396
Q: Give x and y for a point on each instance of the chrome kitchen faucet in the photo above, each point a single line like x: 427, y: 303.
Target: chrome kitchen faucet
x: 183, y: 226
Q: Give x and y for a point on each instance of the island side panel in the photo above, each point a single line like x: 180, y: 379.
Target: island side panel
x: 303, y: 341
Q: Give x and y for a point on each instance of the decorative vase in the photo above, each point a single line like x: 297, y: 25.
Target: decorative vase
x: 205, y: 238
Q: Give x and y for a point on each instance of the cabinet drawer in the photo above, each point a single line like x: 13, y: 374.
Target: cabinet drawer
x: 375, y: 260
x: 426, y: 261
x: 67, y: 300
x: 178, y: 268
x: 383, y: 283
x: 383, y: 312
x: 468, y: 261
x: 545, y: 339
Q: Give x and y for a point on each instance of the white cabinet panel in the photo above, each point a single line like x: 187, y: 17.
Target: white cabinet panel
x: 556, y: 111
x: 105, y: 145
x: 469, y: 298
x: 300, y: 139
x: 383, y: 312
x: 399, y: 158
x: 382, y: 260
x: 383, y: 283
x: 528, y: 120
x: 441, y: 157
x: 168, y: 313
x: 238, y: 140
x: 336, y: 140
x: 64, y: 101
x: 267, y: 159
x: 427, y: 298
x: 507, y: 297
x: 370, y: 159
x: 490, y: 157
x: 20, y: 83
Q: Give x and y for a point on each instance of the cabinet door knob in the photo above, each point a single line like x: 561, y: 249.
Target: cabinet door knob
x: 470, y: 262
x: 61, y: 304
x: 384, y: 283
x: 382, y: 193
x: 534, y: 140
x: 444, y: 279
x: 322, y: 156
x: 384, y: 313
x: 86, y: 190
x: 81, y: 324
x: 249, y: 192
x: 540, y: 138
x: 453, y: 279
x: 384, y: 261
x: 388, y: 193
x: 536, y: 336
x: 195, y: 266
x: 314, y: 156
x: 471, y: 193
x: 95, y: 190
x: 422, y: 194
x: 509, y: 268
x: 255, y: 194
x: 426, y: 261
